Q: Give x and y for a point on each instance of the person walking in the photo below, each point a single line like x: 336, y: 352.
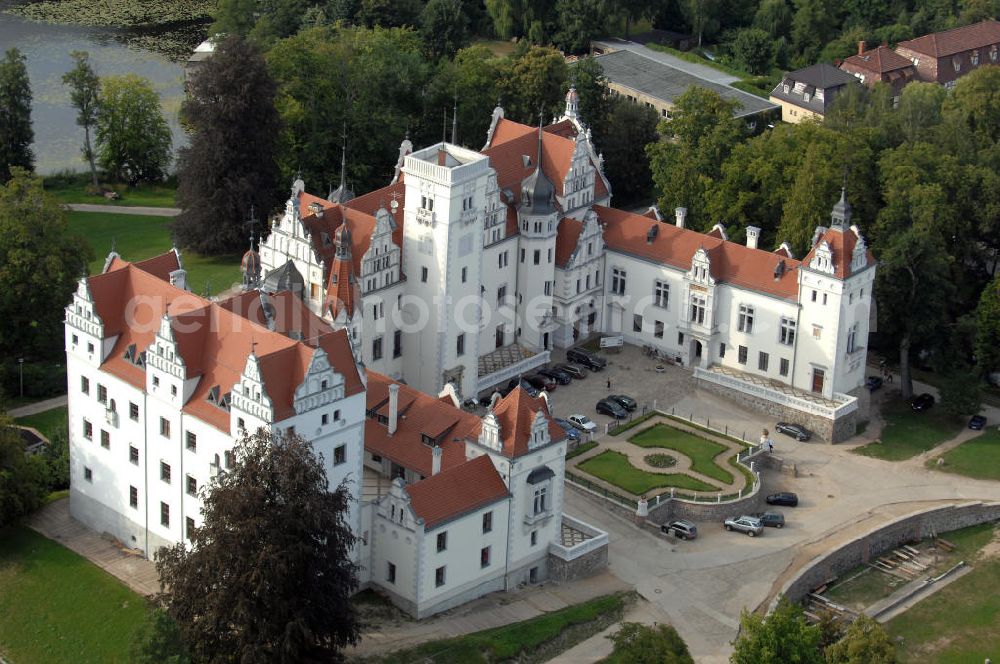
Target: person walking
x: 609, y: 383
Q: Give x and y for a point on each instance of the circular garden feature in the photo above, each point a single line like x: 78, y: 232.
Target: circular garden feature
x: 660, y: 460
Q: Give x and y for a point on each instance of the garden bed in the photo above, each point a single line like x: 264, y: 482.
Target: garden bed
x: 615, y: 468
x: 701, y: 451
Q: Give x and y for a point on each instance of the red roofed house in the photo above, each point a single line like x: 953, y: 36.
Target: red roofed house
x: 880, y: 65
x: 943, y: 57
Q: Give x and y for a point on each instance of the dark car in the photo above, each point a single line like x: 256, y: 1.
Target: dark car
x: 873, y: 383
x: 784, y: 498
x: 626, y: 402
x: 540, y: 382
x: 612, y: 408
x: 922, y: 402
x: 525, y: 385
x: 560, y: 377
x: 771, y: 519
x: 682, y: 529
x: 572, y: 434
x: 796, y: 431
x: 573, y: 370
x: 586, y: 358
x: 977, y: 422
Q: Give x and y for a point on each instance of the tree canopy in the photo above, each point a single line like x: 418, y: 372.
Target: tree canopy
x: 779, y: 638
x: 133, y: 139
x: 636, y: 643
x: 85, y: 88
x: 16, y: 133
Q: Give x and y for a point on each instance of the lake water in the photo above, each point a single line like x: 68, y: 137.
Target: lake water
x: 47, y: 48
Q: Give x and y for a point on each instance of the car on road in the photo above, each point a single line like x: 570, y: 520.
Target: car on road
x: 582, y: 422
x: 540, y: 382
x: 612, y: 408
x: 796, y: 431
x: 573, y: 370
x: 785, y: 498
x: 977, y: 422
x: 626, y: 402
x: 745, y: 524
x: 922, y: 402
x: 584, y: 357
x: 560, y: 377
x: 681, y: 529
x: 873, y: 383
x: 771, y: 519
x: 572, y: 434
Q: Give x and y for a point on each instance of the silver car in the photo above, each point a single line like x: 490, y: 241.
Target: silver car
x: 745, y: 524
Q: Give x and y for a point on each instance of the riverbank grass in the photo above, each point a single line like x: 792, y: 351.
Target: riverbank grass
x: 907, y: 434
x: 57, y: 607
x: 615, y: 468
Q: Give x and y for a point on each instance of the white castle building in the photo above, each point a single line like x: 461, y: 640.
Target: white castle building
x: 470, y: 267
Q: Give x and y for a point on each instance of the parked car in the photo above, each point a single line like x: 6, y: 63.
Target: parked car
x: 745, y: 524
x: 626, y: 402
x: 771, y: 519
x: 977, y: 422
x: 582, y: 422
x: 796, y: 431
x: 584, y: 357
x: 540, y: 382
x: 571, y: 433
x: 612, y: 408
x: 873, y: 383
x: 681, y: 529
x: 525, y: 385
x: 784, y: 498
x: 560, y: 377
x: 922, y: 402
x: 573, y: 370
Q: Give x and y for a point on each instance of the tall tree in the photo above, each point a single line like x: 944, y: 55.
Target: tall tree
x: 780, y: 638
x: 865, y: 642
x: 40, y: 262
x: 133, y: 139
x: 752, y: 50
x: 534, y: 83
x: 221, y: 175
x: 444, y: 27
x: 267, y: 576
x: 84, y: 94
x: 579, y: 21
x: 631, y: 128
x: 812, y: 26
x: 595, y: 98
x: 702, y: 16
x: 16, y: 133
x: 987, y: 340
x: 24, y: 480
x: 636, y: 643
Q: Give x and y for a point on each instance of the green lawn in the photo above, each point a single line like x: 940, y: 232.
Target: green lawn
x: 701, y: 451
x: 145, y: 195
x: 907, y: 434
x: 615, y: 468
x: 978, y: 458
x: 959, y: 623
x: 508, y: 642
x: 138, y: 237
x: 581, y: 449
x: 57, y: 607
x: 48, y: 422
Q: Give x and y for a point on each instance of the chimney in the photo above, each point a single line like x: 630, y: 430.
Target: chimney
x: 442, y: 156
x: 393, y: 407
x: 178, y: 278
x: 680, y: 214
x: 435, y: 460
x: 753, y: 234
x: 861, y: 47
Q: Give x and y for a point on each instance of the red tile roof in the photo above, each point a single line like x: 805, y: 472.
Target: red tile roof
x: 457, y: 491
x: 730, y: 262
x: 842, y: 244
x: 342, y: 291
x: 160, y: 266
x: 515, y: 414
x: 879, y: 60
x: 567, y: 236
x: 956, y: 40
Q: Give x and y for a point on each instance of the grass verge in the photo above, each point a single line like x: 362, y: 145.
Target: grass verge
x: 615, y: 468
x: 582, y: 448
x: 625, y: 426
x: 57, y: 607
x: 978, y: 458
x: 523, y: 641
x: 907, y: 434
x: 702, y: 452
x: 48, y: 422
x: 139, y: 237
x: 144, y: 195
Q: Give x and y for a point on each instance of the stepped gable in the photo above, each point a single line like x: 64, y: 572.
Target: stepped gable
x: 842, y: 243
x: 456, y: 491
x: 730, y: 262
x: 515, y: 414
x: 567, y: 236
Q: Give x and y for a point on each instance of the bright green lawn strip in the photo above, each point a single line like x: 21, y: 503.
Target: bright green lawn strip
x: 978, y: 457
x: 146, y: 195
x: 701, y: 451
x: 57, y: 607
x: 625, y: 426
x: 907, y: 434
x: 138, y: 237
x: 581, y: 448
x: 49, y: 422
x: 614, y: 468
x: 506, y: 643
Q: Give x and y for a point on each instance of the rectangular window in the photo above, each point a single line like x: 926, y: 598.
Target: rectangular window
x: 783, y: 366
x: 192, y: 486
x: 423, y: 274
x: 397, y: 343
x: 852, y: 338
x: 817, y: 332
x: 165, y: 472
x: 88, y: 430
x: 698, y: 309
x: 105, y: 439
x: 484, y: 557
x: 538, y: 257
x: 745, y: 322
x: 165, y: 427
x: 133, y: 412
x: 164, y: 515
x: 618, y: 281
x: 488, y: 522
x: 230, y: 459
x: 534, y: 537
x: 378, y: 311
x: 824, y: 298
x: 133, y: 497
x: 156, y: 381
x: 579, y: 285
x: 191, y: 442
x: 762, y: 360
x: 133, y: 455
x: 658, y: 329
x: 787, y: 334
x: 661, y: 294
x: 442, y: 541
x: 636, y: 323
x: 88, y: 474
x: 377, y: 348
x: 742, y: 359
x: 465, y: 274
x: 819, y: 377
x: 550, y: 255
x: 548, y: 287
x: 539, y: 504
x: 173, y: 390
x: 324, y: 418
x: 84, y: 384
x: 189, y: 527
x: 439, y: 577
x: 680, y: 338
x: 102, y: 394
x: 339, y: 455
x: 522, y: 255
x: 722, y: 350
x: 460, y: 345
x: 814, y: 296
x: 390, y: 573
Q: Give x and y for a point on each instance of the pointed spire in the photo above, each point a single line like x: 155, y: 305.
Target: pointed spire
x: 454, y: 122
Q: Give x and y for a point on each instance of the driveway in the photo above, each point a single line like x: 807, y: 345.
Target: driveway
x: 125, y: 209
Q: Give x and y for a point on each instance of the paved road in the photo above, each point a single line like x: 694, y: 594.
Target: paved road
x: 125, y: 209
x: 39, y: 407
x: 693, y: 68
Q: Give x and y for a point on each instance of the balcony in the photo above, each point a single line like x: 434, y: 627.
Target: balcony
x: 577, y: 538
x: 505, y: 363
x: 425, y: 216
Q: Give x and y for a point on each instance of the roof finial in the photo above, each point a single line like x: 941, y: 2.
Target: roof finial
x: 539, y: 160
x: 114, y: 244
x: 343, y: 160
x: 454, y: 122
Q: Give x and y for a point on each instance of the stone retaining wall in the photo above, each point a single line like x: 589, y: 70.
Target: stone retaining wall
x: 671, y: 509
x: 586, y: 565
x: 871, y: 545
